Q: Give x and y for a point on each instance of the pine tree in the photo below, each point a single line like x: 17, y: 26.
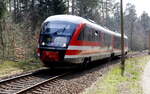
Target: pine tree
x: 58, y: 7
x: 2, y: 9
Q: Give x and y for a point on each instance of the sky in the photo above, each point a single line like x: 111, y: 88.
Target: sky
x: 141, y: 5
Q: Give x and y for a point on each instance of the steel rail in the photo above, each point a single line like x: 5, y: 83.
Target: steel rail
x: 15, y: 78
x: 20, y: 76
x: 41, y: 83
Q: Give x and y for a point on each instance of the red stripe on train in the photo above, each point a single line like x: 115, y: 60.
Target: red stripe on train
x: 85, y: 52
x: 77, y: 32
x: 84, y: 43
x: 73, y: 52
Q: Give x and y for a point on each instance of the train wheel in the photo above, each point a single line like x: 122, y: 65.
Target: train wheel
x: 52, y: 68
x: 112, y: 55
x: 85, y: 63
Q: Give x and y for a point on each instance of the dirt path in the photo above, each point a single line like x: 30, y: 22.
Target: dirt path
x: 146, y: 79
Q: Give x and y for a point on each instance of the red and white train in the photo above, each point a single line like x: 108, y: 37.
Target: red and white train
x: 68, y: 39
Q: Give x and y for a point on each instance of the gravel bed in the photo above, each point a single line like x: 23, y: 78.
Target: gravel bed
x: 78, y: 82
x: 137, y: 54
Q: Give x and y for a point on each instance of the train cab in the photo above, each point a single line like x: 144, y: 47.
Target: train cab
x: 54, y: 40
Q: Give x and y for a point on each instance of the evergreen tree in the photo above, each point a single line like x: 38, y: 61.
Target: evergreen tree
x: 58, y: 7
x: 145, y: 20
x: 130, y: 18
x: 2, y: 9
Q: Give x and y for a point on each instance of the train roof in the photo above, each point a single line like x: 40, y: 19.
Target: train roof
x: 69, y: 18
x: 79, y: 20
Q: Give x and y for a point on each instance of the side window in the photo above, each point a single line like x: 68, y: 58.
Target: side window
x: 81, y: 36
x: 87, y: 33
x: 126, y: 42
x: 84, y: 34
x: 93, y: 35
x: 117, y: 42
x: 90, y: 34
x: 107, y: 39
x: 97, y: 35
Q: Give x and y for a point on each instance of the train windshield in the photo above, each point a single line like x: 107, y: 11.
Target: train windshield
x: 59, y: 28
x: 56, y: 34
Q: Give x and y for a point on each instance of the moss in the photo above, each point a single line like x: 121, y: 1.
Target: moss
x: 11, y: 67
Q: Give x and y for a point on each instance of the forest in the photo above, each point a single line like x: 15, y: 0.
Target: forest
x: 20, y: 23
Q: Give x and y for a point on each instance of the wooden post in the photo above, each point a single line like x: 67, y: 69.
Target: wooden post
x: 122, y: 39
x: 149, y: 44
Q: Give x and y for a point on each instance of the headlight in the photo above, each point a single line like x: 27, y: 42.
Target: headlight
x: 38, y: 54
x: 64, y: 45
x: 43, y: 43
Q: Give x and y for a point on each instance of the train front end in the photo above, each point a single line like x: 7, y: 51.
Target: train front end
x: 54, y: 40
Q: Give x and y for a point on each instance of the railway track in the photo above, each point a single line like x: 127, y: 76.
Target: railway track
x: 37, y: 82
x: 24, y: 83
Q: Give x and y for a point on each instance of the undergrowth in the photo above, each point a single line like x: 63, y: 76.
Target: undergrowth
x: 10, y: 67
x: 114, y: 83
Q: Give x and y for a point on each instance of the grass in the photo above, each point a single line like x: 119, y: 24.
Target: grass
x: 8, y: 68
x: 114, y: 83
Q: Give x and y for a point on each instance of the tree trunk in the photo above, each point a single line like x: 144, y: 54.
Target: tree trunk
x: 132, y: 28
x: 149, y: 42
x: 10, y: 5
x: 15, y: 10
x: 106, y: 14
x: 68, y: 6
x: 2, y: 40
x: 103, y: 12
x: 73, y: 6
